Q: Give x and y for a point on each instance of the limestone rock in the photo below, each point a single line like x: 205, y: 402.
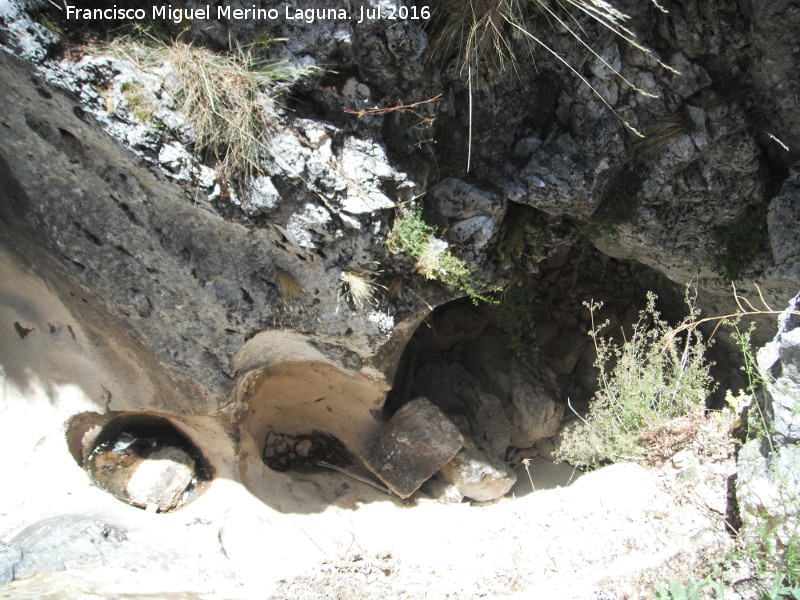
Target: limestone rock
x: 416, y: 442
x: 768, y: 479
x: 528, y: 396
x: 9, y: 557
x: 779, y: 362
x: 478, y: 473
x: 161, y: 478
x: 458, y: 394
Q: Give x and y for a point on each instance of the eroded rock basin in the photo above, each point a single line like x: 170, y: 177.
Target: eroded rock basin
x: 303, y: 533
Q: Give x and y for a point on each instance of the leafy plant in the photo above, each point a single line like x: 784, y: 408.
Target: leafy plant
x: 691, y: 591
x: 434, y: 260
x: 652, y: 391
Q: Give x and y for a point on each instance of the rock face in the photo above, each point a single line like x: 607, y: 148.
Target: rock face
x: 529, y: 398
x: 416, y: 442
x: 460, y: 396
x: 224, y: 297
x: 768, y: 484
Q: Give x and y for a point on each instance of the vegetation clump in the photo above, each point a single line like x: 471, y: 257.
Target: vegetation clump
x: 136, y: 96
x: 434, y: 260
x: 483, y: 33
x: 652, y: 391
x: 226, y: 97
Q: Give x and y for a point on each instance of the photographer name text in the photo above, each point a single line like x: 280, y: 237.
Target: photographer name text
x: 286, y: 13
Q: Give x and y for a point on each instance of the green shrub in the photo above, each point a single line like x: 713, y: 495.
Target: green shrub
x: 434, y: 260
x: 652, y: 392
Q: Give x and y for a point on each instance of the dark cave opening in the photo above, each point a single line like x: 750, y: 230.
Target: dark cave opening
x: 511, y: 376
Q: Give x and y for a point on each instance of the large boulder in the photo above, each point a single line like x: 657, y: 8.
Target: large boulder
x: 416, y: 442
x: 459, y: 394
x: 528, y: 394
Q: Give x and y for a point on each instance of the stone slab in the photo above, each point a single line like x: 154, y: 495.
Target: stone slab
x: 416, y: 442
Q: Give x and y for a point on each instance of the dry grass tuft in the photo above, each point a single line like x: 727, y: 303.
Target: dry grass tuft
x: 288, y: 286
x: 483, y: 33
x: 664, y: 440
x: 359, y: 288
x: 661, y: 133
x: 225, y: 96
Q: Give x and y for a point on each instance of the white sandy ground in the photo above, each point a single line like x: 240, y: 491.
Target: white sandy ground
x: 610, y: 534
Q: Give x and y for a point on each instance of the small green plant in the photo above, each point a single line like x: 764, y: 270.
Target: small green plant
x: 137, y: 97
x: 651, y: 399
x: 434, y: 260
x: 674, y: 590
x: 518, y: 321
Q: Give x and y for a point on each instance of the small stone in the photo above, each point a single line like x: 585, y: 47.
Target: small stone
x: 478, y: 473
x: 303, y: 448
x: 682, y: 459
x: 416, y: 442
x: 271, y: 438
x: 281, y: 447
x: 269, y: 452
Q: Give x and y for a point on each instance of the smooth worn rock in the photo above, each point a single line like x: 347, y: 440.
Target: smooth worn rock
x: 528, y: 396
x: 478, y: 473
x: 65, y: 542
x: 161, y: 478
x: 416, y: 442
x: 566, y: 349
